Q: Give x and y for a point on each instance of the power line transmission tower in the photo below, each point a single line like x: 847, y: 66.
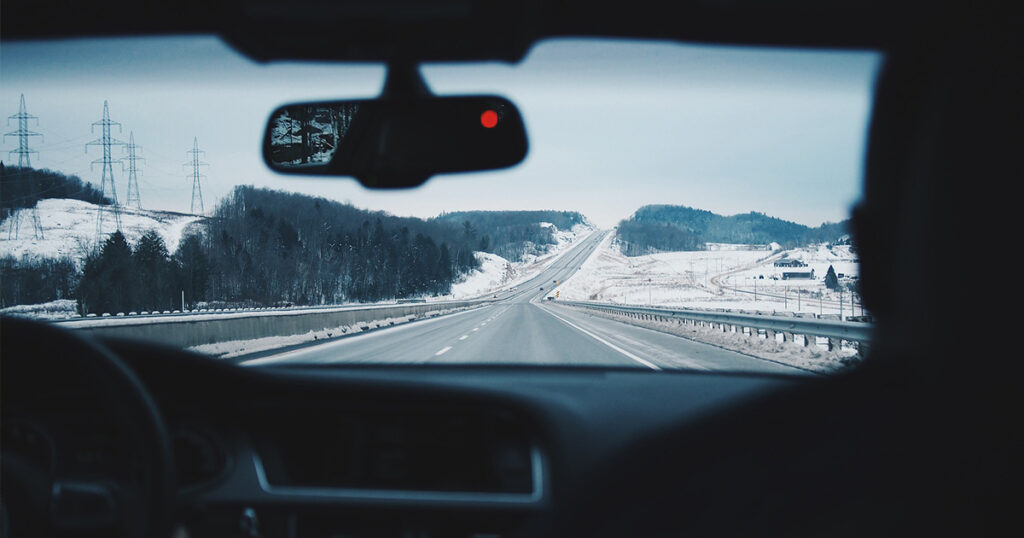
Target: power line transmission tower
x: 106, y: 141
x: 196, y: 164
x: 23, y: 151
x: 132, y: 199
x: 24, y: 161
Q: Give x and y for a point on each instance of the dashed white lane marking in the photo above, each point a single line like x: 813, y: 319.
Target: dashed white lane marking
x: 603, y: 341
x: 463, y: 337
x: 298, y: 354
x: 443, y: 351
x: 475, y: 329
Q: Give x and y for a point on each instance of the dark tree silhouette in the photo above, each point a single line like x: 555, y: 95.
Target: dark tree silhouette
x: 831, y: 280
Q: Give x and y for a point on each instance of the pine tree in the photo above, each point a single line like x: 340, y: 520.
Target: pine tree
x: 107, y: 277
x: 154, y: 275
x: 193, y: 269
x: 831, y: 280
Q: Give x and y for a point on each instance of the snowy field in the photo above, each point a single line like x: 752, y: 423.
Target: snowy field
x: 69, y: 229
x: 497, y: 273
x: 729, y: 277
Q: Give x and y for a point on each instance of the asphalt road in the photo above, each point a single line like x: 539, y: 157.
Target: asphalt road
x: 522, y: 327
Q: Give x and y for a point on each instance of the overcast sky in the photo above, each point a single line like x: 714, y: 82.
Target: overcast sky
x: 612, y: 125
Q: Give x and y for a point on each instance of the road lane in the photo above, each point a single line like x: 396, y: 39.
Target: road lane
x: 665, y: 350
x: 523, y: 328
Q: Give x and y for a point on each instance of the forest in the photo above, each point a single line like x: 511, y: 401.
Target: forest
x: 268, y: 246
x: 660, y: 228
x: 512, y: 234
x: 263, y: 247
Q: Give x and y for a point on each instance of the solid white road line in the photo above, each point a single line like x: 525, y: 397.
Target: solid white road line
x: 603, y: 341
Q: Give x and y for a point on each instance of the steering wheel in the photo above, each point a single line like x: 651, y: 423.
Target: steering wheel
x: 105, y: 466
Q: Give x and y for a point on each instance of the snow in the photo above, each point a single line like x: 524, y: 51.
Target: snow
x: 496, y: 273
x: 723, y: 277
x: 69, y: 229
x: 59, y: 309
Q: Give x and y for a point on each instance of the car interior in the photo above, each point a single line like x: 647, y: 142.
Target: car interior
x: 122, y: 437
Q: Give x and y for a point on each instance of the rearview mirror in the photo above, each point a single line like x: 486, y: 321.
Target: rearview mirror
x: 393, y: 143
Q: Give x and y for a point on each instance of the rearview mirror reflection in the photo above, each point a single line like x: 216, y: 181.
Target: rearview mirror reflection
x: 389, y: 143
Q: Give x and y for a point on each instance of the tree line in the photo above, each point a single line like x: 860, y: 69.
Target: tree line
x: 656, y: 228
x: 34, y: 280
x: 24, y: 187
x: 512, y: 234
x: 270, y: 246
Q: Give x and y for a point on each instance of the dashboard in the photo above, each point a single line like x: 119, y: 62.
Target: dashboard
x: 406, y: 451
x: 307, y: 450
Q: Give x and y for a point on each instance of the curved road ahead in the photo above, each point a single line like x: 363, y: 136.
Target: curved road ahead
x: 521, y: 327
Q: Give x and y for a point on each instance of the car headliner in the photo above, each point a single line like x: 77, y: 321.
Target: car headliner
x: 476, y: 30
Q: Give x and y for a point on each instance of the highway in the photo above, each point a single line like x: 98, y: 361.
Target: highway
x: 522, y: 327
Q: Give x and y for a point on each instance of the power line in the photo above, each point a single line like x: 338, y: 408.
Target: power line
x: 106, y: 141
x: 132, y: 199
x: 196, y: 164
x: 24, y: 153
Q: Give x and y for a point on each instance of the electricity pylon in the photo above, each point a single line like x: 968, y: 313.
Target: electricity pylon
x: 24, y: 153
x: 196, y: 164
x: 132, y: 198
x: 106, y: 141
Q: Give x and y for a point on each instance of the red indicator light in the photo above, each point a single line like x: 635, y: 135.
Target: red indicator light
x: 489, y: 118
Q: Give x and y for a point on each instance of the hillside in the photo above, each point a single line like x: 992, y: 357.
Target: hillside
x: 24, y: 187
x: 69, y: 229
x: 516, y: 236
x: 723, y: 279
x: 666, y: 228
x: 265, y: 247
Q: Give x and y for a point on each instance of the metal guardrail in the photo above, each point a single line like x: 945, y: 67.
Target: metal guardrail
x: 193, y: 330
x: 834, y: 330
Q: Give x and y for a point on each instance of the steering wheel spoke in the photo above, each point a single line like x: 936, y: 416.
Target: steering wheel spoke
x: 82, y: 505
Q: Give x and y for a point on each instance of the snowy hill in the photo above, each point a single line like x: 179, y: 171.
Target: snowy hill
x: 69, y: 229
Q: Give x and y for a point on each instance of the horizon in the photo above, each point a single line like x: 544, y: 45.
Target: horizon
x: 443, y: 213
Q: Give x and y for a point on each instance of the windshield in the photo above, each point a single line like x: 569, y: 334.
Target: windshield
x: 680, y: 207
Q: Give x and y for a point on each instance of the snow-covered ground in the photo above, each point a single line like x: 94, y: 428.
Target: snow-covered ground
x: 69, y: 229
x: 497, y: 273
x: 721, y: 277
x: 59, y: 309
